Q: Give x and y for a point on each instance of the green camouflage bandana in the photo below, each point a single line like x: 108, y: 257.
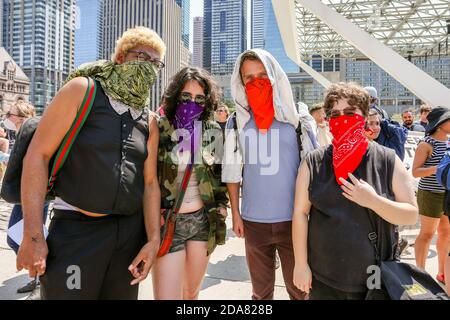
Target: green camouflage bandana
x: 128, y: 82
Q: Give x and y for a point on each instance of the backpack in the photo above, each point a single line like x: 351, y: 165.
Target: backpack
x: 11, y: 185
x: 442, y: 177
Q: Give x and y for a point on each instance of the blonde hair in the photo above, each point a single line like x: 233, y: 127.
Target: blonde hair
x: 138, y: 36
x: 24, y: 109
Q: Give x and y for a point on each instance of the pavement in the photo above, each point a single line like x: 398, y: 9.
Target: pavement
x: 227, y: 277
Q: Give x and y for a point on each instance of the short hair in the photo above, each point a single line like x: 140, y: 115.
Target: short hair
x: 24, y: 109
x: 138, y: 36
x: 315, y: 107
x: 248, y: 55
x: 407, y: 110
x: 224, y: 106
x: 354, y: 93
x: 425, y: 108
x: 176, y: 85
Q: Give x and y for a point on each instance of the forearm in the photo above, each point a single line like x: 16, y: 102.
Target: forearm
x: 300, y: 238
x: 423, y: 172
x: 33, y: 192
x: 398, y: 213
x: 233, y: 192
x: 152, y: 215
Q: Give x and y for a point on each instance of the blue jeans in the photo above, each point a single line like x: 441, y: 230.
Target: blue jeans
x: 16, y: 216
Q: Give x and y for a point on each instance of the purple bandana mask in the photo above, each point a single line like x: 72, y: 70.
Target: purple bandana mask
x: 185, y: 117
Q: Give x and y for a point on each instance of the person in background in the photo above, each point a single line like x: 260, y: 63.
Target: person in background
x: 4, y: 142
x: 392, y: 135
x: 408, y: 122
x: 373, y: 94
x: 424, y: 111
x: 430, y: 194
x: 324, y: 136
x: 18, y: 113
x: 221, y: 116
x: 373, y: 125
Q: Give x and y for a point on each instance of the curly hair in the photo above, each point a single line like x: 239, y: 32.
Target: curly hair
x: 24, y: 109
x: 138, y: 36
x: 353, y: 92
x: 176, y: 85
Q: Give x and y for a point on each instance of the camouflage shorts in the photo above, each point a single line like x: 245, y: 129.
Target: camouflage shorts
x: 191, y: 226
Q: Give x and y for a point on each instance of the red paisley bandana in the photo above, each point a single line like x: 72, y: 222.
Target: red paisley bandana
x: 349, y: 144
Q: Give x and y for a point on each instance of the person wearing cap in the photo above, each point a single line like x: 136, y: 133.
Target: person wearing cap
x: 391, y: 135
x: 430, y: 195
x: 373, y: 94
x: 324, y: 136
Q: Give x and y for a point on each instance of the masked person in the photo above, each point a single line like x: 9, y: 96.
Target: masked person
x: 18, y: 113
x: 262, y: 150
x: 340, y: 190
x: 188, y: 103
x: 98, y: 246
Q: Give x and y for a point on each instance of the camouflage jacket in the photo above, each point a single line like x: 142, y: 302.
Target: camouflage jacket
x: 212, y: 193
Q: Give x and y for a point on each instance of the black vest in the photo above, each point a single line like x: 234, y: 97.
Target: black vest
x: 339, y: 250
x: 104, y: 171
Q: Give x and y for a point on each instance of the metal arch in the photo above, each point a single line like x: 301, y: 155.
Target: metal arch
x: 407, y: 26
x: 414, y: 79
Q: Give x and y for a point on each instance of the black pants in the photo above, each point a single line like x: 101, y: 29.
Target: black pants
x: 321, y: 291
x: 89, y: 257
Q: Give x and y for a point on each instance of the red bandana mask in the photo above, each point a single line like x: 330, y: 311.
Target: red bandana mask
x: 349, y: 144
x: 260, y: 97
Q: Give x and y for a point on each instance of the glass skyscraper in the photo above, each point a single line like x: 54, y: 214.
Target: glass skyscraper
x: 266, y: 35
x: 88, y: 31
x: 41, y: 36
x: 229, y: 34
x: 185, y: 17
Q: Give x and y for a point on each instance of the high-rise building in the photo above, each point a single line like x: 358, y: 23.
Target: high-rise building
x: 207, y: 34
x: 394, y: 97
x: 162, y: 16
x: 88, y: 30
x: 197, y: 56
x: 185, y: 20
x: 41, y: 36
x: 229, y: 34
x: 266, y: 35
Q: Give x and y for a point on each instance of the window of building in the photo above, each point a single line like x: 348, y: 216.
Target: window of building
x: 223, y: 51
x: 223, y: 21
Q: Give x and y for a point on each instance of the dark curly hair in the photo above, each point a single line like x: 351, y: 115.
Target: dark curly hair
x: 176, y: 85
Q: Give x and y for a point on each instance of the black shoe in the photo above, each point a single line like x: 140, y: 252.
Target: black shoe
x: 29, y: 287
x: 402, y: 245
x: 35, y: 294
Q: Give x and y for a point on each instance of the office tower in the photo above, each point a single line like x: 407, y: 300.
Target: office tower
x: 197, y: 56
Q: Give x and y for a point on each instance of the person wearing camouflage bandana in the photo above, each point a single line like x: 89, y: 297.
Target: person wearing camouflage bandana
x: 187, y: 129
x: 104, y: 235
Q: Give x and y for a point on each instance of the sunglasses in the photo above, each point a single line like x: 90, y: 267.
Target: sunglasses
x: 349, y: 111
x: 8, y: 114
x: 186, y: 97
x: 144, y: 56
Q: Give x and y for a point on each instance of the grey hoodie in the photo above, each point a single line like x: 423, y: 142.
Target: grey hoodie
x: 285, y: 111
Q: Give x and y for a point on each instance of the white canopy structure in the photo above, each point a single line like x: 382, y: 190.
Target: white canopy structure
x: 384, y: 31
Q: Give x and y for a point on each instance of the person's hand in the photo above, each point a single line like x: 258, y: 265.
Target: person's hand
x: 2, y: 133
x: 141, y: 265
x: 238, y: 225
x: 32, y: 255
x: 302, y: 277
x: 434, y: 169
x: 358, y: 191
x: 222, y: 211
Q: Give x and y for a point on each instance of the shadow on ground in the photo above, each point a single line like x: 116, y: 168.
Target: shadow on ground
x: 233, y: 268
x: 8, y: 288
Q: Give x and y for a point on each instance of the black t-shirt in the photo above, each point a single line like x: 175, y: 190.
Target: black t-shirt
x: 339, y: 251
